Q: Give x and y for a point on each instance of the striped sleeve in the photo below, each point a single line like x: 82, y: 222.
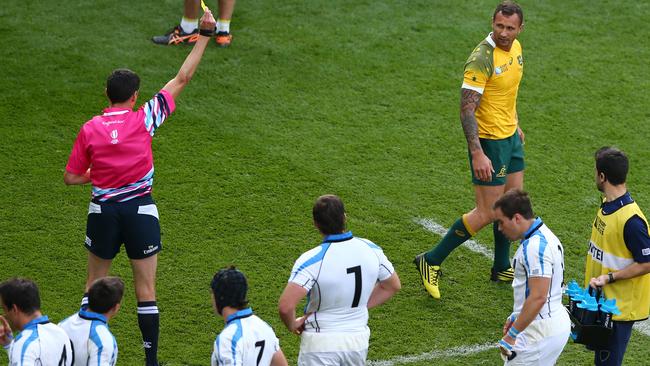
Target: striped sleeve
x: 157, y: 110
x: 305, y: 269
x: 102, y: 348
x: 538, y: 260
x: 226, y: 350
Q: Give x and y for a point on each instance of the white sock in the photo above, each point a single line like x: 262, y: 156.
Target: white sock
x: 189, y: 25
x: 223, y: 25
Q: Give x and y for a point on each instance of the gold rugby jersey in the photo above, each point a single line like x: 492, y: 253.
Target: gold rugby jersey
x: 495, y: 74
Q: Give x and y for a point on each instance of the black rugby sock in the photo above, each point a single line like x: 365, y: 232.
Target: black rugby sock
x: 149, y: 322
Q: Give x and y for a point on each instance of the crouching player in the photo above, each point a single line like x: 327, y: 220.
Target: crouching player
x: 539, y: 326
x: 93, y: 342
x: 246, y: 340
x: 39, y: 341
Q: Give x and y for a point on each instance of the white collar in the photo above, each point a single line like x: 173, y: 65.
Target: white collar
x: 490, y: 40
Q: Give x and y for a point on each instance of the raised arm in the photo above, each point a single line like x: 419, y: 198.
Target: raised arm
x: 481, y: 164
x: 185, y: 73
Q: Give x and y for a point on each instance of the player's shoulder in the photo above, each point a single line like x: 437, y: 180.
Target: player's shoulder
x: 314, y: 253
x: 368, y: 243
x: 69, y: 320
x: 481, y: 59
x: 261, y: 324
x: 52, y: 333
x: 483, y: 52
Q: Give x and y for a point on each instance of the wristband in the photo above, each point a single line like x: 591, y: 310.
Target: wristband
x: 611, y: 277
x: 206, y: 32
x: 513, y: 332
x: 505, y: 345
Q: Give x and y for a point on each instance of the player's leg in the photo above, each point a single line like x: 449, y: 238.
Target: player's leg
x: 615, y: 350
x: 187, y: 32
x: 502, y: 269
x: 102, y: 242
x: 141, y: 231
x: 97, y: 268
x: 464, y: 228
x: 144, y: 279
x: 512, y: 152
x: 223, y: 36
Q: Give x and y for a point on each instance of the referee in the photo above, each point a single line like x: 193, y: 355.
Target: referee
x: 113, y: 153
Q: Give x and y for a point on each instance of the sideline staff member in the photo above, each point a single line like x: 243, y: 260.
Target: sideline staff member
x: 488, y: 113
x: 113, y: 152
x: 619, y: 253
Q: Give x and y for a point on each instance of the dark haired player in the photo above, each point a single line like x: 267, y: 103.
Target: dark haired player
x: 538, y: 328
x: 246, y: 340
x: 488, y: 114
x: 92, y: 340
x: 344, y: 277
x: 39, y: 341
x: 113, y: 153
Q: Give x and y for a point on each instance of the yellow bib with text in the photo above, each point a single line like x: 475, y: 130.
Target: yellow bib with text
x: 608, y: 253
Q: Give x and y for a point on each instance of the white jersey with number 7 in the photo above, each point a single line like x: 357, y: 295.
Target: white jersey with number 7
x: 339, y: 276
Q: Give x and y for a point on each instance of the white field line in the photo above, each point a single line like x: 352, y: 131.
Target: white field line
x: 428, y: 356
x: 643, y: 327
x: 472, y: 245
x: 434, y: 227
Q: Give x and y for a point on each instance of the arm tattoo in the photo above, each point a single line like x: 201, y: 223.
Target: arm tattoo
x: 469, y: 102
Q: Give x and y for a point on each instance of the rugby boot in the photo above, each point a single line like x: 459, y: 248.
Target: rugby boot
x: 429, y: 275
x: 176, y: 36
x: 507, y: 275
x: 223, y: 39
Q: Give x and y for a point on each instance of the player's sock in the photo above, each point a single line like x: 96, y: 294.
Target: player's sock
x: 189, y: 25
x: 501, y: 249
x: 84, y: 301
x: 149, y: 322
x: 456, y: 236
x: 223, y: 25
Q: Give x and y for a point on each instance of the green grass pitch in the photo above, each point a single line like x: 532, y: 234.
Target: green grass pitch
x: 358, y: 98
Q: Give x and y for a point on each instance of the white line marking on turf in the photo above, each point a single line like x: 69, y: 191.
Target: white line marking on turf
x: 434, y: 227
x: 427, y: 356
x: 472, y: 245
x: 643, y: 327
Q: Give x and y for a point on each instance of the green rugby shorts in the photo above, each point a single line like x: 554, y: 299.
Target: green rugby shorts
x: 507, y: 156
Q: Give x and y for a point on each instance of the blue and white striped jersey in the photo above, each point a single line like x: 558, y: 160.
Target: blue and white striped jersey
x: 246, y: 340
x: 41, y: 343
x: 93, y: 342
x: 540, y: 254
x: 339, y: 276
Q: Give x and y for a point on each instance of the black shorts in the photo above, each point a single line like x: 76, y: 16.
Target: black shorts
x: 134, y: 223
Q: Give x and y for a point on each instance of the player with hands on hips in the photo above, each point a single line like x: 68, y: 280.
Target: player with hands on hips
x: 344, y: 277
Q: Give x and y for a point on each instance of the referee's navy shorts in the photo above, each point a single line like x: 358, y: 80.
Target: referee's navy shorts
x: 134, y: 223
